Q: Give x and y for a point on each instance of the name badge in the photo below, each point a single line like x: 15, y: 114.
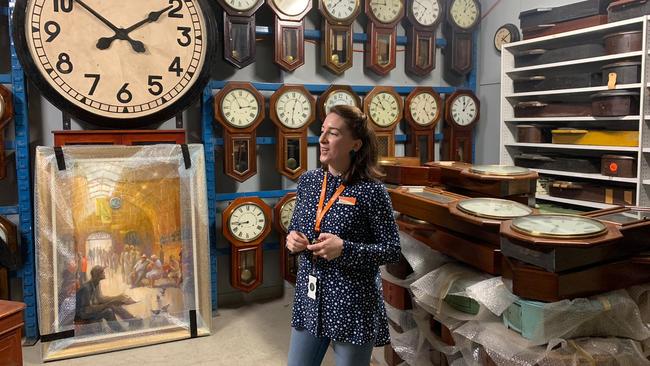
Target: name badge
x: 311, y: 287
x: 347, y: 201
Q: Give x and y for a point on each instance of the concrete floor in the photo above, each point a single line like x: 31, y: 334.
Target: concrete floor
x: 254, y: 334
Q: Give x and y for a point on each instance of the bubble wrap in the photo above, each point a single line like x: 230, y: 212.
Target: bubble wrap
x: 610, y: 314
x: 450, y: 279
x: 421, y: 257
x: 110, y: 209
x: 504, y: 348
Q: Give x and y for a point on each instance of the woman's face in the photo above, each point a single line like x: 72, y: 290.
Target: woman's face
x: 336, y: 141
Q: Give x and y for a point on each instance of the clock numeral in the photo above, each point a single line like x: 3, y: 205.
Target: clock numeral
x: 64, y: 5
x: 174, y: 12
x: 64, y: 65
x: 52, y: 33
x: 124, y: 95
x: 185, y: 32
x: 154, y: 83
x: 175, y: 66
x: 96, y: 78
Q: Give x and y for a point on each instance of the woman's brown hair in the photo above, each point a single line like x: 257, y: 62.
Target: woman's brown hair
x: 363, y: 163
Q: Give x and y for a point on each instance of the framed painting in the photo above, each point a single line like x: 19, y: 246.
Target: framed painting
x: 122, y: 247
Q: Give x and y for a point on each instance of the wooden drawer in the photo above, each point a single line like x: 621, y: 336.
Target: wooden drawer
x: 396, y: 296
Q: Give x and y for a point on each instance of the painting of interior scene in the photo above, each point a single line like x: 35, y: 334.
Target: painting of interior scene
x: 120, y: 264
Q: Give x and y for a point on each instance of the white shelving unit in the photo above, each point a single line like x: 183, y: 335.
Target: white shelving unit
x: 508, y: 126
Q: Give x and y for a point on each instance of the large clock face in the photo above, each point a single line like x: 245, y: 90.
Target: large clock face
x: 384, y: 109
x: 286, y: 213
x: 247, y: 222
x: 339, y: 97
x: 464, y: 110
x: 116, y: 63
x: 340, y: 9
x: 554, y: 225
x: 293, y: 109
x: 424, y: 108
x: 464, y: 13
x: 386, y: 11
x: 292, y: 7
x: 240, y: 108
x: 241, y: 5
x: 426, y: 12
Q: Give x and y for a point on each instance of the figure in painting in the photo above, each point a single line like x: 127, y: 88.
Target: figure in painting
x: 92, y: 306
x: 174, y: 270
x: 155, y: 270
x: 139, y: 271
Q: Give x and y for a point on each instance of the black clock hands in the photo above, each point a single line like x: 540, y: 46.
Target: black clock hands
x: 136, y: 45
x: 122, y: 33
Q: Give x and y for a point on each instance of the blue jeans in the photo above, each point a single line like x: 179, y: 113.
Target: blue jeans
x: 307, y: 350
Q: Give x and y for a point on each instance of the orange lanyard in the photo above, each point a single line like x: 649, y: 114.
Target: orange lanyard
x: 321, y: 211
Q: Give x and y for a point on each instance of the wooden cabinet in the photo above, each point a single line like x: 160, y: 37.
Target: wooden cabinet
x: 119, y: 137
x: 11, y: 325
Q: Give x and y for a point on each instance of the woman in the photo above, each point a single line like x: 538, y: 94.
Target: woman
x: 343, y: 230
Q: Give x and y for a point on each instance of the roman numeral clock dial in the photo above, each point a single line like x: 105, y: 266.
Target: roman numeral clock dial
x: 423, y: 111
x: 121, y: 63
x: 423, y: 18
x: 292, y: 110
x: 462, y: 111
x: 239, y: 108
x: 245, y: 224
x: 336, y: 95
x: 383, y: 106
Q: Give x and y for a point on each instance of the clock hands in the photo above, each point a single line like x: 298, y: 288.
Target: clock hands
x: 122, y: 33
x: 136, y: 45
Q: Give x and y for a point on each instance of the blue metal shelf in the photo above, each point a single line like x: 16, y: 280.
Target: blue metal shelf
x: 311, y: 140
x: 27, y: 273
x: 314, y: 34
x: 5, y: 78
x: 220, y: 197
x: 225, y: 252
x: 4, y: 10
x: 320, y: 88
x: 8, y: 210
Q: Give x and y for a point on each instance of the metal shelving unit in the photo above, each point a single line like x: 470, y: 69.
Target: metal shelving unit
x: 508, y: 126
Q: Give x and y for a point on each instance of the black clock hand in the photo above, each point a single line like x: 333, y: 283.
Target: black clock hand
x: 134, y: 44
x: 105, y: 42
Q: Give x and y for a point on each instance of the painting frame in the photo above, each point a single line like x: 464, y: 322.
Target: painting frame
x: 55, y: 223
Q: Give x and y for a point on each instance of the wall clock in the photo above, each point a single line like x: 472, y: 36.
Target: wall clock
x: 117, y: 64
x: 239, y: 31
x: 423, y: 18
x: 283, y: 212
x: 336, y: 95
x: 505, y: 34
x: 6, y: 114
x: 245, y: 223
x: 292, y: 109
x: 239, y: 108
x: 338, y: 16
x: 462, y: 111
x: 289, y: 32
x: 463, y: 17
x: 383, y: 16
x: 383, y: 106
x: 423, y: 111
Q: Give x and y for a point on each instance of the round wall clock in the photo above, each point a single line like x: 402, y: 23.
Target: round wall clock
x: 423, y: 111
x: 336, y: 95
x: 462, y: 111
x: 423, y: 18
x: 119, y: 64
x: 464, y: 14
x: 384, y: 108
x: 558, y: 226
x: 383, y: 16
x: 336, y: 46
x: 505, y: 34
x: 494, y: 208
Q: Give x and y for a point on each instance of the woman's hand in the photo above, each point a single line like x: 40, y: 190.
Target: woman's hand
x: 329, y: 246
x: 296, y: 242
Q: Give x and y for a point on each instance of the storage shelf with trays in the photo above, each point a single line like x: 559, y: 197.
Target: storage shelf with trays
x: 510, y: 147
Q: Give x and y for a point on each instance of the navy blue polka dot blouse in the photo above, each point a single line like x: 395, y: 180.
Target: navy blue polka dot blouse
x: 349, y: 303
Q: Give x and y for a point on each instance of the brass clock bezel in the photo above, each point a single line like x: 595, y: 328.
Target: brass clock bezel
x: 450, y: 100
x: 400, y: 105
x: 538, y: 234
x: 334, y: 88
x: 460, y: 207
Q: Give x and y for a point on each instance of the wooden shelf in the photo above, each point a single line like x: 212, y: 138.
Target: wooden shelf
x: 585, y: 175
x: 588, y: 60
x: 593, y: 89
x: 574, y: 202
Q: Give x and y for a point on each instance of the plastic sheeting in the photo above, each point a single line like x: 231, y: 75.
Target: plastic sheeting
x: 122, y: 247
x: 422, y: 258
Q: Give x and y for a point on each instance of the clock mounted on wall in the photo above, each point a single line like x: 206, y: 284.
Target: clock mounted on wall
x: 6, y: 114
x: 117, y: 64
x: 283, y: 212
x: 383, y: 16
x: 462, y: 111
x: 239, y: 30
x: 383, y: 106
x: 423, y: 18
x: 289, y: 32
x: 463, y: 17
x: 336, y: 95
x: 338, y: 16
x: 423, y: 111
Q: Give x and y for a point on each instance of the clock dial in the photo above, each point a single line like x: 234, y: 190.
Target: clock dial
x: 119, y: 60
x: 241, y: 5
x: 386, y: 11
x: 286, y: 213
x: 384, y: 109
x: 339, y: 97
x: 293, y: 109
x: 505, y: 170
x: 240, y: 108
x: 426, y: 12
x: 464, y: 13
x: 494, y: 208
x: 558, y: 226
x: 423, y: 108
x: 247, y: 222
x: 292, y: 7
x: 341, y: 9
x: 464, y: 110
x: 502, y: 36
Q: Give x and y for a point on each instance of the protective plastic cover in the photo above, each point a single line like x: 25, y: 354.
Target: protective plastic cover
x: 122, y: 247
